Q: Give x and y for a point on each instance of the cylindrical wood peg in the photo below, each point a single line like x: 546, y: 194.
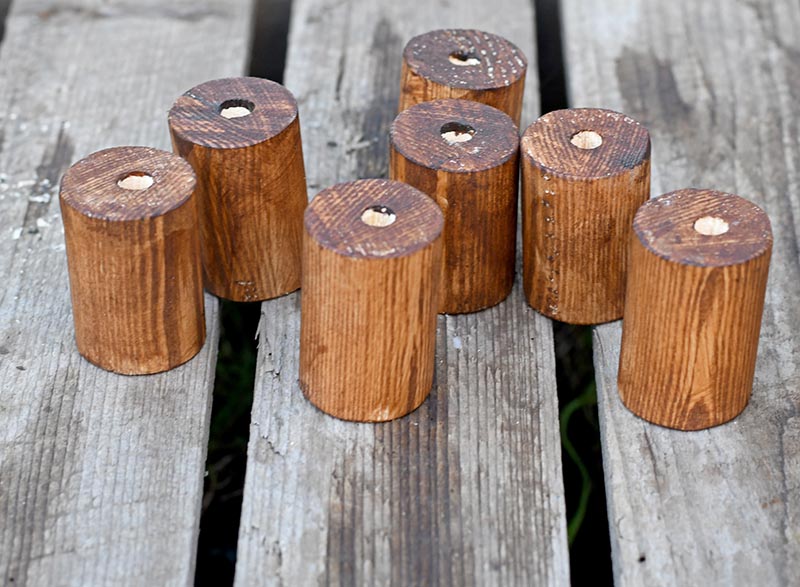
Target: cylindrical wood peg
x: 133, y: 251
x: 695, y: 295
x: 585, y: 172
x: 464, y: 63
x: 242, y: 137
x: 371, y: 267
x: 465, y: 155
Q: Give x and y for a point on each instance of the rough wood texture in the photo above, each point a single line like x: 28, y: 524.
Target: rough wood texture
x: 242, y: 136
x: 468, y: 64
x: 102, y: 475
x: 695, y: 294
x: 371, y: 270
x: 467, y: 489
x: 585, y: 172
x: 134, y: 259
x: 717, y: 86
x: 465, y: 155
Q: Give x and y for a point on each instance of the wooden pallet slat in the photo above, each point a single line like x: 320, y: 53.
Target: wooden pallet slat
x: 717, y: 84
x: 101, y: 475
x: 467, y: 490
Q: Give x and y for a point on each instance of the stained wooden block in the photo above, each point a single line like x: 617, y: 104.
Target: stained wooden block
x: 371, y: 267
x: 465, y: 155
x: 695, y: 295
x: 464, y: 63
x: 585, y: 172
x: 133, y: 250
x: 242, y: 137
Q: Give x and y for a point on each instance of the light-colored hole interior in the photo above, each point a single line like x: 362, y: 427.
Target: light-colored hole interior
x: 586, y: 139
x: 378, y: 216
x: 136, y: 180
x: 457, y: 132
x: 236, y: 108
x: 463, y: 59
x: 711, y: 226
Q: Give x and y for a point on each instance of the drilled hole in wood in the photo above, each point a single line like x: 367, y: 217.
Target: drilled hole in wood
x: 586, y: 139
x: 136, y: 180
x: 711, y: 226
x: 236, y: 108
x: 457, y: 132
x: 463, y: 58
x: 378, y: 216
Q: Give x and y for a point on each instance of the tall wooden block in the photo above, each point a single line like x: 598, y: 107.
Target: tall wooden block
x: 585, y: 172
x: 371, y: 267
x: 695, y: 295
x: 242, y: 137
x: 465, y: 155
x: 464, y: 63
x: 133, y: 250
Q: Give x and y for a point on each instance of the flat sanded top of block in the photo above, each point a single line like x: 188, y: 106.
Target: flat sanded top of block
x: 586, y: 143
x: 373, y: 219
x: 232, y: 113
x: 465, y: 58
x: 457, y: 136
x: 127, y: 183
x: 704, y: 228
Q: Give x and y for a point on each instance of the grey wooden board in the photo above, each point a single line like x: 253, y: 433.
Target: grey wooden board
x: 718, y: 85
x: 467, y: 490
x: 101, y: 476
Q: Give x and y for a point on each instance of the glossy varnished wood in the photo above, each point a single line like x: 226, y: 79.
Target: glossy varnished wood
x: 251, y: 184
x: 370, y: 296
x: 693, y: 308
x: 465, y: 156
x: 578, y: 201
x: 464, y: 63
x: 134, y: 260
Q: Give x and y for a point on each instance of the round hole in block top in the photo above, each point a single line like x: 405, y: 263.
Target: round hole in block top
x: 711, y: 226
x: 135, y: 181
x: 463, y: 58
x: 586, y: 139
x: 457, y: 132
x: 236, y: 108
x: 378, y: 216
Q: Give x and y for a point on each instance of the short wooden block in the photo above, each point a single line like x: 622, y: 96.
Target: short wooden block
x: 695, y: 295
x: 133, y: 250
x: 371, y: 268
x: 464, y: 63
x: 465, y: 155
x: 242, y: 137
x: 585, y: 172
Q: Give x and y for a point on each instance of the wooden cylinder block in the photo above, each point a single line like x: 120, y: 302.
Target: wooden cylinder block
x: 463, y: 63
x: 242, y: 137
x: 695, y: 295
x: 133, y: 250
x: 371, y: 267
x: 465, y: 155
x: 585, y: 172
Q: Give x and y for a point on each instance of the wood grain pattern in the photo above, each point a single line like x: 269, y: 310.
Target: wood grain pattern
x: 370, y: 298
x: 714, y: 83
x: 465, y: 490
x: 134, y: 260
x: 465, y: 155
x: 578, y: 204
x: 464, y: 63
x: 101, y: 476
x: 251, y: 184
x: 693, y: 309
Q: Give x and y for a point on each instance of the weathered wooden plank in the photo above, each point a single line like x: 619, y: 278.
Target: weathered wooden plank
x: 467, y: 490
x: 101, y: 476
x: 718, y: 85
